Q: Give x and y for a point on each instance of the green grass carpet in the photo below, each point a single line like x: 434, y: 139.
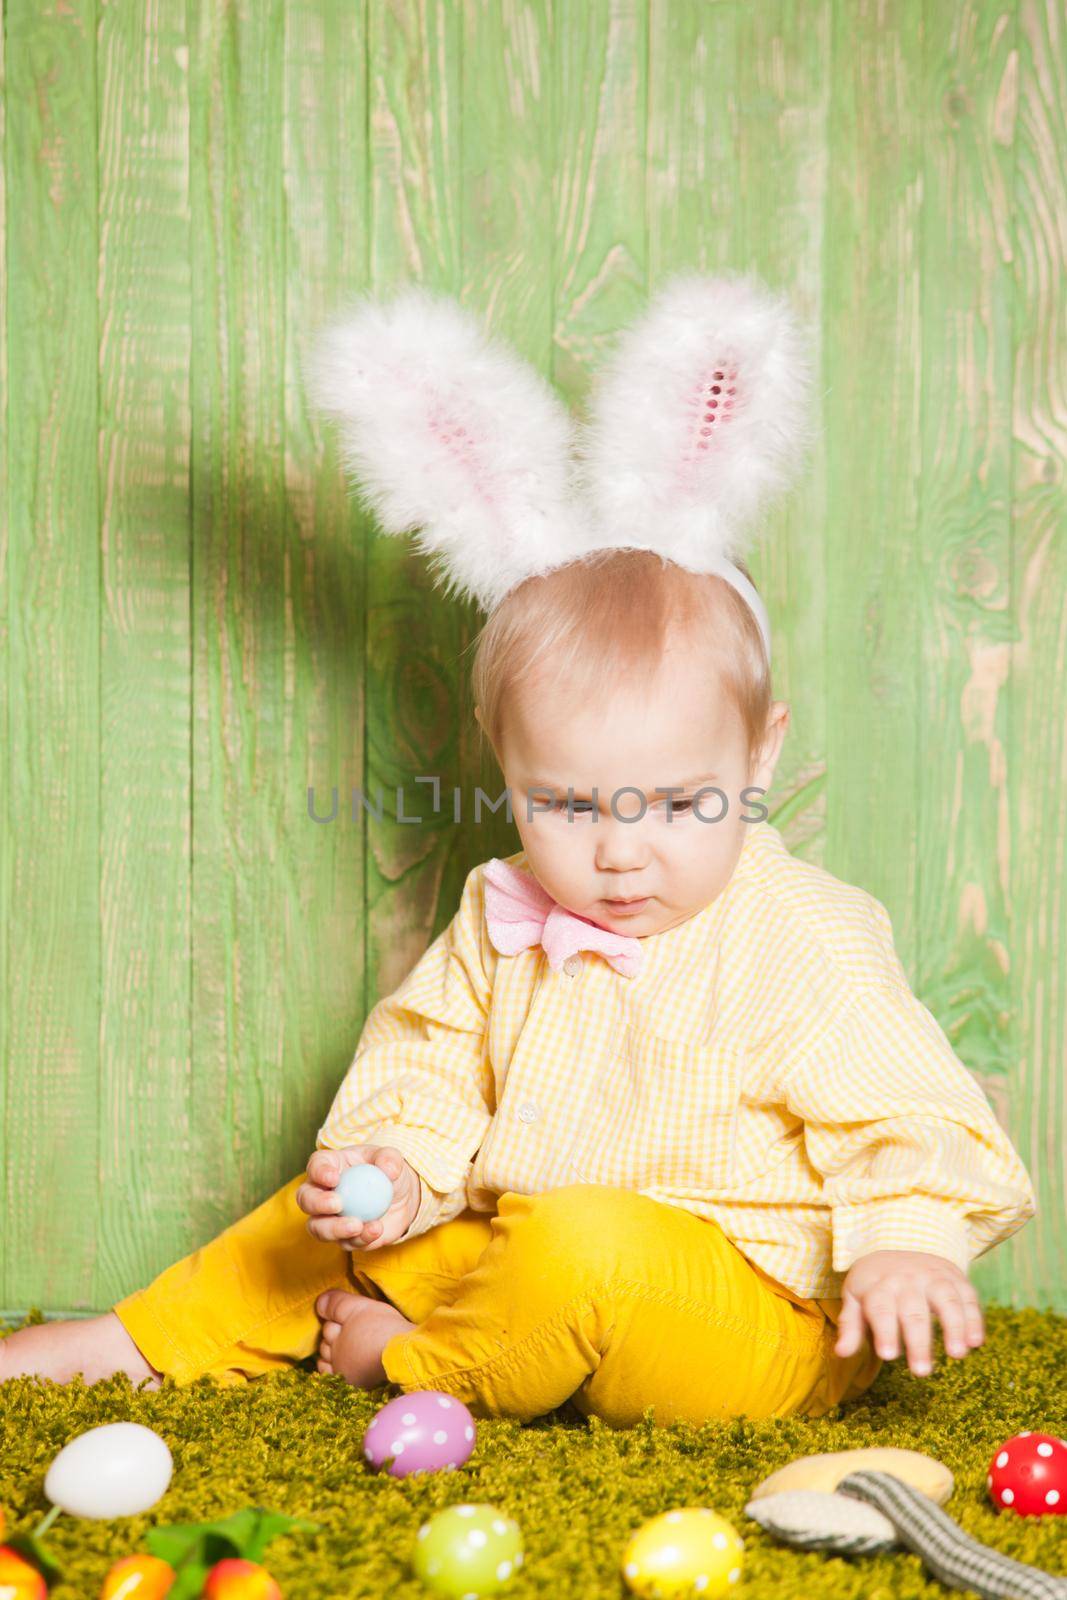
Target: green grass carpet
x: 292, y: 1442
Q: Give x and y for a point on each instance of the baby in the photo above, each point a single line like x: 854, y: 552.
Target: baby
x: 725, y: 1164
x: 666, y: 1125
x: 848, y: 1136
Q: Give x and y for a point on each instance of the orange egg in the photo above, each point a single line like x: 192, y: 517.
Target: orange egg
x: 236, y: 1579
x: 18, y: 1580
x: 138, y: 1577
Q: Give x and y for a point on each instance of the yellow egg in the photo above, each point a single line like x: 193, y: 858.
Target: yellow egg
x: 681, y: 1553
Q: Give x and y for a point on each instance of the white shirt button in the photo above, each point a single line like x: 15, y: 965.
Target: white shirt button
x: 528, y: 1112
x: 572, y: 966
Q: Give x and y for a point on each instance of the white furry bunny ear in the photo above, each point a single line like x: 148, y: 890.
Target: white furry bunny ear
x: 452, y: 436
x: 700, y: 415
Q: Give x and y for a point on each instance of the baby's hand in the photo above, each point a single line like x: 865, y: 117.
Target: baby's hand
x: 319, y: 1198
x: 887, y: 1284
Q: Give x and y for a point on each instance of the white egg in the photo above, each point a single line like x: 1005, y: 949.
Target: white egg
x: 112, y: 1471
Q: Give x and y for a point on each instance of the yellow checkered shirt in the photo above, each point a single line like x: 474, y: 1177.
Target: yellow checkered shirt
x: 768, y: 1069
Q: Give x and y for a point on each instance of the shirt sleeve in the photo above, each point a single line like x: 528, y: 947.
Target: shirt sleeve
x: 420, y: 1077
x: 910, y: 1152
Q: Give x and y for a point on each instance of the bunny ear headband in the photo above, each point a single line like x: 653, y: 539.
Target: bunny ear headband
x: 699, y: 416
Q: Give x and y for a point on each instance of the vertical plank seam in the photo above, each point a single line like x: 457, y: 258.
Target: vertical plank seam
x: 368, y: 234
x: 190, y: 503
x: 94, y: 1276
x: 919, y: 529
x: 827, y: 389
x: 5, y: 371
x: 648, y: 117
x: 1032, y: 1258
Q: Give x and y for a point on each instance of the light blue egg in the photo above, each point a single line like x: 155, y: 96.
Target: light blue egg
x: 366, y: 1192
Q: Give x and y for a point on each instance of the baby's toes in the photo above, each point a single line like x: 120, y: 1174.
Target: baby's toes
x: 327, y: 1303
x: 330, y: 1330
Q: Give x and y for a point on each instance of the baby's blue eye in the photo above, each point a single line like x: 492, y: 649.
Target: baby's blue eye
x: 584, y: 807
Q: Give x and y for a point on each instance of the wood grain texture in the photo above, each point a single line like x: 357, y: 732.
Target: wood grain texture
x: 198, y: 625
x: 969, y: 69
x: 241, y: 890
x: 144, y: 296
x: 1037, y: 726
x: 325, y: 170
x: 414, y: 871
x: 7, y: 917
x: 52, y: 664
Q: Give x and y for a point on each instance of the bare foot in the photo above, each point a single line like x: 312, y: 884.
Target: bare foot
x: 355, y: 1331
x: 97, y: 1347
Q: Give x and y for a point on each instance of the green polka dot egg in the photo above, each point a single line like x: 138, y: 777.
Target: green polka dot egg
x: 681, y: 1553
x: 467, y: 1551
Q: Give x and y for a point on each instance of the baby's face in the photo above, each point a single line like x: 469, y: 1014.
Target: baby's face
x: 675, y: 731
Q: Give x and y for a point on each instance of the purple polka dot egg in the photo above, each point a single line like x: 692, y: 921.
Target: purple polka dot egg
x: 425, y: 1431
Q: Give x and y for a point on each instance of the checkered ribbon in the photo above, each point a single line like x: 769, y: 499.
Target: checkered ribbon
x: 954, y: 1558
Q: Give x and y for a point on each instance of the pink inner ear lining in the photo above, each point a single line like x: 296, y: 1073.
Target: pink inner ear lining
x: 704, y: 392
x: 449, y: 431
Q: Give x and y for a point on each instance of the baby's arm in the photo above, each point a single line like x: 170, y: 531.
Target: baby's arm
x: 420, y: 1083
x: 918, y: 1174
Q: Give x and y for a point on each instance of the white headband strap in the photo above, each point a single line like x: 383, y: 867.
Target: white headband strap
x: 747, y: 591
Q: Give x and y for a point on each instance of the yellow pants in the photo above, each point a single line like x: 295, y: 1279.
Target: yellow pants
x: 589, y: 1293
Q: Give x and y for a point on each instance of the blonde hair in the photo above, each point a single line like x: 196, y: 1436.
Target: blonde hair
x: 611, y: 613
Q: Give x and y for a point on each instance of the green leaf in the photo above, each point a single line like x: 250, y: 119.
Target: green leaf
x: 192, y: 1548
x: 254, y: 1528
x: 183, y: 1541
x: 189, y: 1583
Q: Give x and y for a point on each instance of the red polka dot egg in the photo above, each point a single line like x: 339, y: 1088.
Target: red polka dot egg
x: 1029, y: 1474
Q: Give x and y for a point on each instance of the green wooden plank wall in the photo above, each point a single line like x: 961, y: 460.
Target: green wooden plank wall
x: 196, y: 626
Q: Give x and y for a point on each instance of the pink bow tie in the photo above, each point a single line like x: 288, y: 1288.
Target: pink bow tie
x: 519, y: 913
